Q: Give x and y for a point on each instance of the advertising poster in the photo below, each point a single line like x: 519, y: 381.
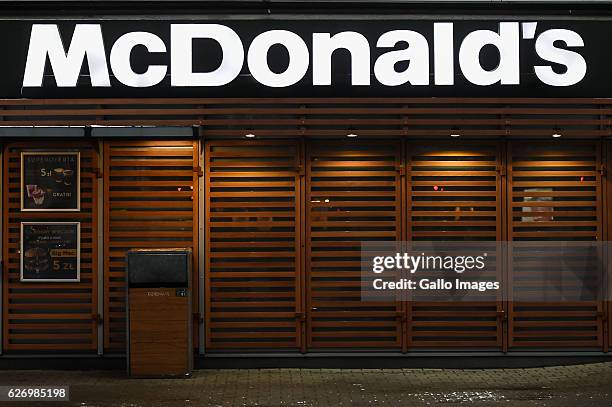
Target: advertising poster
x: 50, y: 251
x: 50, y: 181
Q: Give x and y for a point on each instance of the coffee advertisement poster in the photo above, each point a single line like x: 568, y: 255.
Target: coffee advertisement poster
x: 50, y: 181
x: 50, y: 251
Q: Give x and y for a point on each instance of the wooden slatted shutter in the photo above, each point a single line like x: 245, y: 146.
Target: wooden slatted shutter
x: 150, y: 201
x: 50, y: 317
x: 455, y: 194
x: 554, y: 195
x: 253, y: 282
x: 353, y: 195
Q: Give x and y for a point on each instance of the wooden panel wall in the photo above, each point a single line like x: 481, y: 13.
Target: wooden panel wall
x: 554, y: 194
x: 319, y: 119
x: 454, y: 194
x: 328, y: 117
x: 352, y: 195
x: 49, y: 317
x: 150, y: 201
x: 253, y: 266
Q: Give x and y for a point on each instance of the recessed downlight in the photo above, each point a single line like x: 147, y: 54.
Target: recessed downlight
x: 556, y: 135
x: 351, y: 135
x: 455, y: 135
x: 249, y: 135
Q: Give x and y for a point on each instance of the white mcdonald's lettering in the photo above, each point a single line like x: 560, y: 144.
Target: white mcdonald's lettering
x: 87, y: 44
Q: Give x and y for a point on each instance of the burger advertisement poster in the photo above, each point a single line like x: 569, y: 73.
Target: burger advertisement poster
x: 50, y: 251
x: 50, y: 181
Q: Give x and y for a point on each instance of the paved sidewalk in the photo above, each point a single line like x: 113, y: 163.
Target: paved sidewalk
x: 580, y: 385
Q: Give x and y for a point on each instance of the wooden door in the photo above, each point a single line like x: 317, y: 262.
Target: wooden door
x: 554, y: 196
x: 54, y: 316
x: 352, y: 195
x: 455, y: 195
x: 253, y: 283
x: 150, y: 201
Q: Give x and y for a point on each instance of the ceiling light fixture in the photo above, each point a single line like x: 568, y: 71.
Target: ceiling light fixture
x: 351, y: 135
x: 556, y: 135
x: 249, y: 135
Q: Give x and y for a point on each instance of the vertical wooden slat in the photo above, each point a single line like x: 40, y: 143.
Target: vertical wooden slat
x: 50, y: 317
x: 353, y: 195
x: 253, y: 245
x: 2, y: 188
x: 303, y: 310
x: 117, y: 323
x: 197, y: 172
x: 554, y: 195
x: 5, y: 240
x: 503, y: 225
x: 607, y: 220
x: 407, y: 303
x: 150, y: 202
x: 454, y: 195
x: 201, y: 250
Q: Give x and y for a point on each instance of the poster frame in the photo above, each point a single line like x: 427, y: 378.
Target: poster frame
x: 47, y: 280
x: 77, y: 180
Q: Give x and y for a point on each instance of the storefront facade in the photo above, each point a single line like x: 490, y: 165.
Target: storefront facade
x: 273, y: 145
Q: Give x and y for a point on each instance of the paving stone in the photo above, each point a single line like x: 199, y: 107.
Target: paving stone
x: 578, y: 385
